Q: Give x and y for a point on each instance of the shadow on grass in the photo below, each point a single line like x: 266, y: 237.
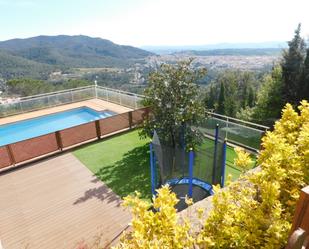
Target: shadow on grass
x: 131, y: 173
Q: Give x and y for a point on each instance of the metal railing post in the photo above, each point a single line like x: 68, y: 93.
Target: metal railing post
x: 223, y: 164
x: 152, y: 169
x: 21, y: 106
x: 191, y: 165
x: 214, y: 167
x: 135, y: 101
x: 119, y: 98
x: 227, y: 127
x: 96, y: 90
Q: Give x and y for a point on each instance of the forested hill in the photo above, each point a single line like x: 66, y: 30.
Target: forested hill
x: 16, y: 67
x: 69, y: 51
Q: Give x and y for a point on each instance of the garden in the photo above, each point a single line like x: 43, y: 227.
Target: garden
x: 122, y: 162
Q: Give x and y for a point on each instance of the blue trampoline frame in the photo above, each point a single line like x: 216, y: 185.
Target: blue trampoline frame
x: 190, y: 180
x: 195, y: 181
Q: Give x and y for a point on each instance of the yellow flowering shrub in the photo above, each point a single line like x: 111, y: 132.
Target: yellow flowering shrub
x: 159, y: 229
x: 243, y: 159
x: 254, y: 212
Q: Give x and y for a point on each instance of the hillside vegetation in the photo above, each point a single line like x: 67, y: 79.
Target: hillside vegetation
x: 37, y: 56
x: 12, y: 66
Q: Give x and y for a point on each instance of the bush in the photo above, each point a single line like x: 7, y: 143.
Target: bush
x: 159, y: 229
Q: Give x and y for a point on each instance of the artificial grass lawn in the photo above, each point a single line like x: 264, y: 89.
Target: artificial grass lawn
x: 122, y: 163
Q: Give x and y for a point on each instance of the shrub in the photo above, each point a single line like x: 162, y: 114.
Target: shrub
x: 256, y: 212
x: 159, y: 229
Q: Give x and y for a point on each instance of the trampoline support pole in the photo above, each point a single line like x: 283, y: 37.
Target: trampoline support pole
x: 191, y: 162
x: 155, y: 183
x: 215, y: 155
x: 152, y: 169
x: 223, y: 163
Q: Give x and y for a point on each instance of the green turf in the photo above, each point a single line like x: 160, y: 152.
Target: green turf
x: 122, y: 162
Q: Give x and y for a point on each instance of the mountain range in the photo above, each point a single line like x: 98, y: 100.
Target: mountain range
x: 43, y: 54
x: 278, y: 45
x: 37, y: 57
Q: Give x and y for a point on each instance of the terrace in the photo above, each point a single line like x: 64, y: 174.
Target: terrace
x: 73, y: 192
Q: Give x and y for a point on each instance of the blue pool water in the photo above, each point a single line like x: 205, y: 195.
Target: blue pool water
x: 15, y: 132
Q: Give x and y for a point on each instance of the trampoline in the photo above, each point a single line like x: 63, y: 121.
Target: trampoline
x: 188, y: 173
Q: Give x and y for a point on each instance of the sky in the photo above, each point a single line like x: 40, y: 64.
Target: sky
x: 157, y: 22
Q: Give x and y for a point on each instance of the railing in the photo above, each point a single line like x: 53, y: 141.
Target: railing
x: 120, y: 97
x: 46, y: 100
x: 239, y: 132
x: 41, y: 101
x: 228, y: 119
x: 20, y: 152
x: 236, y: 131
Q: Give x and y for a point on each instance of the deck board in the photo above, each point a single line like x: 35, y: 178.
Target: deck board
x: 56, y: 203
x: 96, y: 104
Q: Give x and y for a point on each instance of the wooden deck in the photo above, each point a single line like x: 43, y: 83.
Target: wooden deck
x: 96, y: 104
x: 57, y: 203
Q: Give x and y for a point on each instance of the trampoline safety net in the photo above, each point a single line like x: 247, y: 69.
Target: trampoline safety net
x: 236, y: 133
x: 172, y: 167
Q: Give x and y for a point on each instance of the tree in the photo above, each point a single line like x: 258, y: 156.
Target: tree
x: 221, y: 100
x: 292, y: 68
x: 251, y: 97
x: 73, y: 83
x: 269, y: 99
x: 232, y: 90
x: 172, y: 95
x: 244, y: 100
x: 210, y: 97
x: 305, y: 78
x: 26, y: 87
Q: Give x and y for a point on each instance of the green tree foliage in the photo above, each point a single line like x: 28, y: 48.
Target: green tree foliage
x: 28, y: 87
x: 305, y: 78
x: 221, y: 100
x: 269, y: 100
x: 173, y: 96
x: 251, y: 97
x: 72, y: 83
x: 230, y: 91
x: 211, y: 97
x: 292, y: 69
x: 287, y: 83
x: 12, y: 66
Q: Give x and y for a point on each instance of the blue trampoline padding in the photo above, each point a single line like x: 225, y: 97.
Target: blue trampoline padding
x: 195, y: 181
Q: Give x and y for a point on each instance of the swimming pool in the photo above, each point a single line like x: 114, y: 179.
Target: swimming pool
x: 30, y: 128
